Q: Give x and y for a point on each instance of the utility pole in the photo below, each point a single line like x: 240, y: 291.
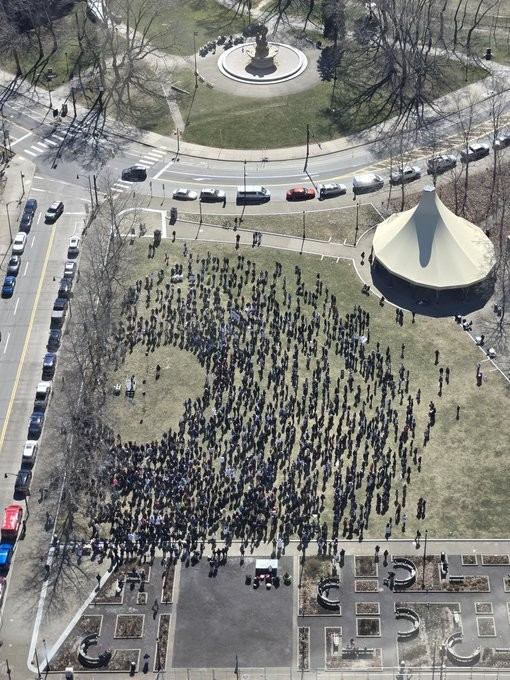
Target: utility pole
x: 424, y: 559
x: 195, y: 33
x: 307, y: 146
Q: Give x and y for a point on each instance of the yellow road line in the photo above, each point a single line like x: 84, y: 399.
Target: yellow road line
x: 27, y: 338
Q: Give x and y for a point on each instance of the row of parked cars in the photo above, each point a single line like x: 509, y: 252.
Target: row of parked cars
x: 44, y: 388
x: 20, y: 240
x: 361, y: 183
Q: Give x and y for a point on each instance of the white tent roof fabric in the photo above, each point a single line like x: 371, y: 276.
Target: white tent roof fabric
x: 432, y: 247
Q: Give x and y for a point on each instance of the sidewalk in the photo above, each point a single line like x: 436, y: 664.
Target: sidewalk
x: 14, y: 191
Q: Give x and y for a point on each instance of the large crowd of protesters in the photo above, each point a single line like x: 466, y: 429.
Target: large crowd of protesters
x: 306, y: 426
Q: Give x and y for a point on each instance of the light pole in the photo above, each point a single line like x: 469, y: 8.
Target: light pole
x: 22, y: 185
x: 46, y: 654
x: 195, y: 33
x: 67, y: 64
x: 9, y: 217
x: 244, y: 187
x: 424, y: 559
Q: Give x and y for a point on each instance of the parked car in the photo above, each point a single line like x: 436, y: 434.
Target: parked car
x: 474, y: 152
x: 363, y: 184
x: 49, y: 365
x: 136, y: 173
x: 19, y: 243
x: 26, y: 223
x: 74, y: 246
x: 30, y: 450
x: 184, y: 195
x: 13, y: 265
x: 330, y: 190
x: 35, y: 424
x: 61, y: 304
x: 6, y: 550
x: 300, y: 194
x: 23, y: 481
x: 409, y: 173
x: 43, y: 395
x: 54, y: 211
x: 441, y: 163
x: 501, y: 142
x: 69, y: 270
x: 64, y: 288
x: 30, y: 207
x: 212, y: 195
x: 54, y: 339
x: 13, y: 516
x: 8, y: 286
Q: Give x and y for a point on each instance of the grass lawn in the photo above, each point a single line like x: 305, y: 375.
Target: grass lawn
x: 461, y: 466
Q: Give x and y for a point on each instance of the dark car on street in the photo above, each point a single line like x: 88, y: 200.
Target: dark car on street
x: 54, y: 340
x: 49, y: 366
x: 26, y: 223
x: 8, y: 286
x: 35, y: 424
x: 61, y: 304
x: 13, y: 265
x: 23, y: 481
x: 30, y: 207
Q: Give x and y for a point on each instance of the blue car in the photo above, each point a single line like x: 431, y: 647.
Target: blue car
x: 8, y: 287
x: 6, y: 550
x: 35, y: 425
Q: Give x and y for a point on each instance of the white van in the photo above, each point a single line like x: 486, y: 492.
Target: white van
x: 252, y: 194
x: 29, y: 453
x: 365, y: 183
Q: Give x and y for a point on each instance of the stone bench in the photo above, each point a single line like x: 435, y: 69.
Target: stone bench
x: 323, y: 596
x: 460, y: 659
x: 456, y: 579
x: 350, y: 652
x: 88, y: 661
x: 408, y: 615
x: 407, y: 565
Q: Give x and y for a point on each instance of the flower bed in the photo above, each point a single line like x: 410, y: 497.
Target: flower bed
x: 365, y: 567
x: 364, y: 608
x: 368, y: 627
x: 471, y: 584
x: 304, y: 648
x: 129, y: 626
x: 168, y: 585
x: 486, y: 626
x: 163, y: 632
x: 366, y: 585
x: 495, y: 560
x: 483, y: 607
x: 469, y: 560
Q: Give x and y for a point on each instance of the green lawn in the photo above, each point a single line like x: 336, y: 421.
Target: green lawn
x: 461, y: 468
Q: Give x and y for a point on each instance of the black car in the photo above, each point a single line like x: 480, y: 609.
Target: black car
x: 30, y: 207
x: 23, y: 481
x: 54, y: 340
x: 26, y: 223
x: 13, y: 265
x: 54, y: 211
x: 35, y: 425
x: 61, y: 304
x: 49, y: 366
x: 64, y: 288
x: 136, y: 173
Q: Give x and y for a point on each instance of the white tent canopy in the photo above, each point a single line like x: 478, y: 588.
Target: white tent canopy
x: 432, y: 247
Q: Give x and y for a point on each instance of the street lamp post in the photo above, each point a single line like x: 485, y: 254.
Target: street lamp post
x: 67, y: 64
x: 46, y: 654
x: 244, y: 187
x: 9, y: 218
x: 22, y: 185
x: 195, y: 33
x: 424, y: 559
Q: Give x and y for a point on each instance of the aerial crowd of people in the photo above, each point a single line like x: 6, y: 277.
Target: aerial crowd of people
x: 306, y: 426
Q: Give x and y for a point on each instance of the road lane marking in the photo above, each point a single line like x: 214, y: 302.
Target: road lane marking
x: 16, y: 306
x: 26, y: 269
x: 7, y: 342
x: 21, y: 138
x: 27, y: 338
